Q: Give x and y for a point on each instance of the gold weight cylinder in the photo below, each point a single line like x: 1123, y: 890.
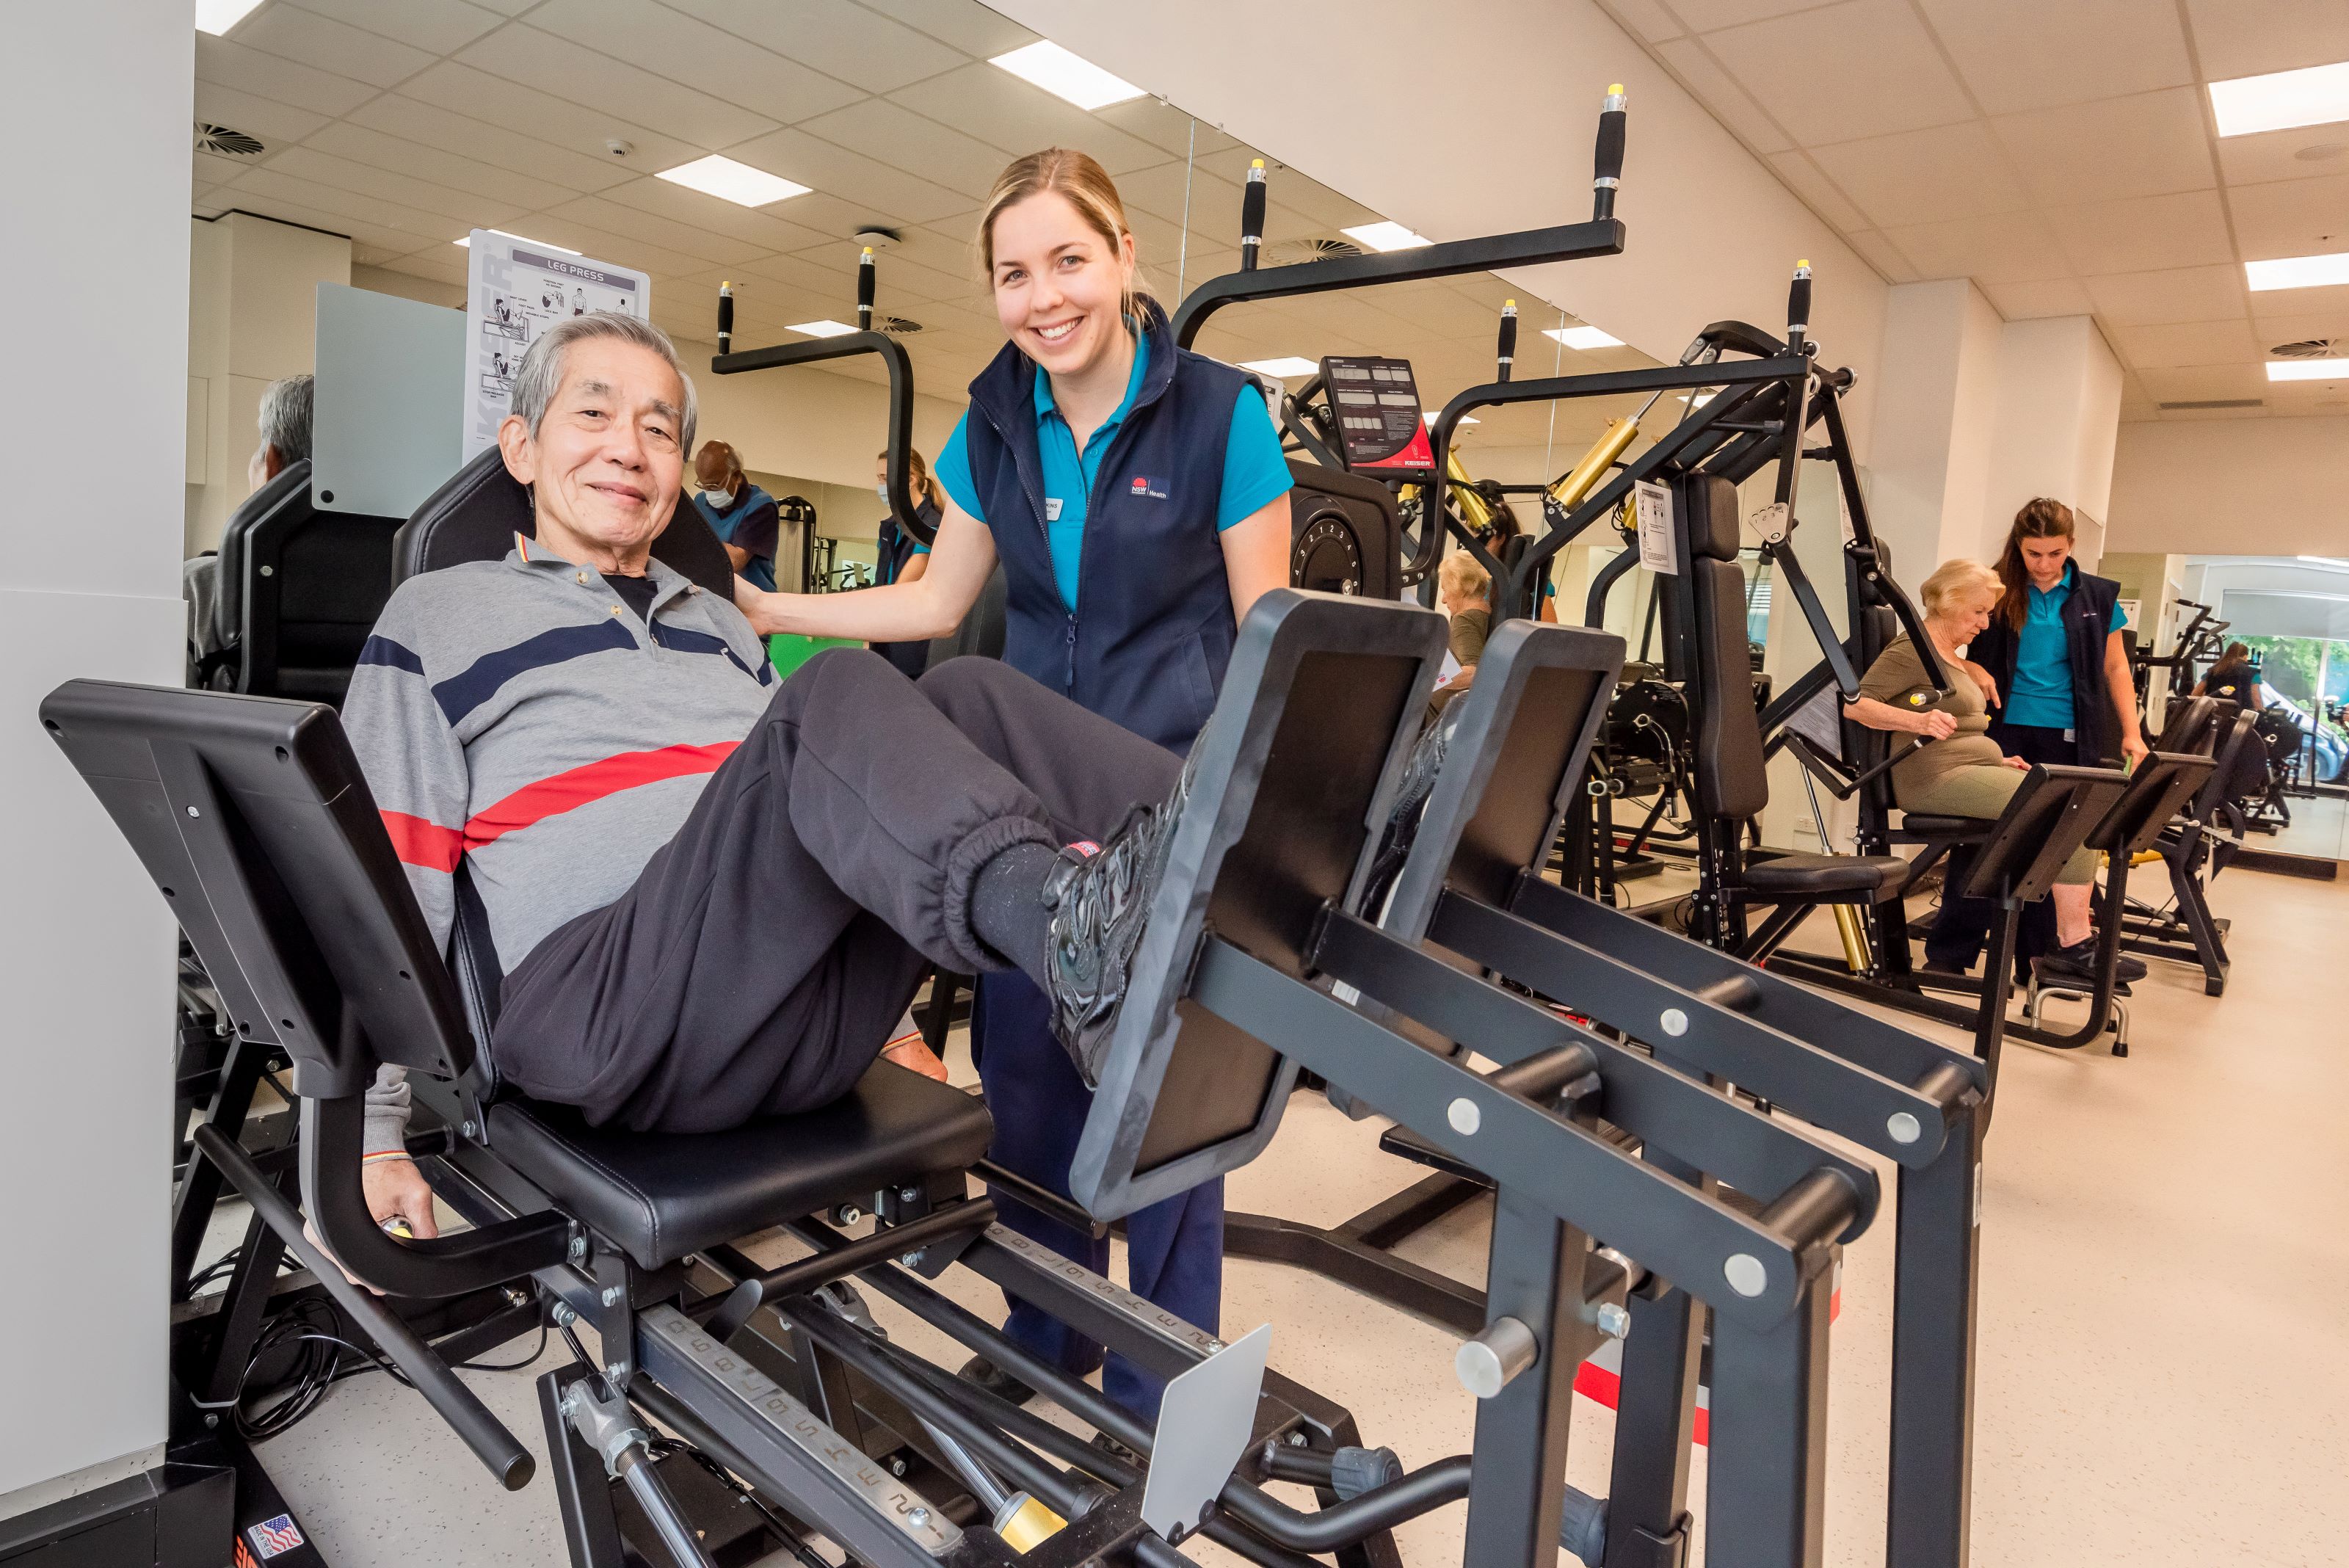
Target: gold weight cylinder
x: 1024, y: 1523
x: 1579, y: 480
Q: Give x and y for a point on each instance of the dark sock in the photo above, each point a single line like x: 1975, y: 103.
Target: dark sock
x: 1007, y: 906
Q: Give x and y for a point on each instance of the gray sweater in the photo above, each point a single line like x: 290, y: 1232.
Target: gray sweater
x: 516, y: 715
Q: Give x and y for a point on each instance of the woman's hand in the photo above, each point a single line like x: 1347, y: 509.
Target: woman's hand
x: 1935, y: 725
x: 1982, y: 678
x: 2134, y: 750
x: 2017, y: 763
x: 753, y: 601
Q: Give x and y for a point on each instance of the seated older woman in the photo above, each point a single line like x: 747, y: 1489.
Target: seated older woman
x: 1960, y: 771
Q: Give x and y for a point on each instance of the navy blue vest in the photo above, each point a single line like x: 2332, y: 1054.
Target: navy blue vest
x: 1153, y: 631
x: 2087, y: 625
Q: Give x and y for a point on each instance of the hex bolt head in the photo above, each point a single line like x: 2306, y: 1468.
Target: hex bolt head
x: 578, y: 1250
x: 1903, y: 1128
x: 909, y: 1259
x: 1465, y: 1118
x: 470, y: 1129
x: 1613, y: 1320
x: 193, y: 812
x: 611, y: 1295
x: 1745, y: 1274
x: 907, y: 1194
x: 1674, y: 1022
x: 563, y: 1316
x: 616, y: 1371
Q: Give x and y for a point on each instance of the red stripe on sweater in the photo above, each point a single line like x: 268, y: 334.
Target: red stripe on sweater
x: 421, y: 842
x: 590, y: 783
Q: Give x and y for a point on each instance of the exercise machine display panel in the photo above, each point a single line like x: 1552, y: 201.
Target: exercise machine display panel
x: 1376, y: 402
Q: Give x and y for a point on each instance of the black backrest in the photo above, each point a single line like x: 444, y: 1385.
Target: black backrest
x: 252, y: 817
x: 2160, y: 786
x: 2243, y: 758
x: 1729, y: 768
x: 1343, y: 527
x: 475, y: 515
x: 2191, y: 727
x: 299, y: 590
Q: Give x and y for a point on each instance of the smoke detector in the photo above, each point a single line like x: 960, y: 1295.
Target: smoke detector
x: 1322, y: 248
x: 2310, y: 349
x: 220, y: 138
x: 872, y: 236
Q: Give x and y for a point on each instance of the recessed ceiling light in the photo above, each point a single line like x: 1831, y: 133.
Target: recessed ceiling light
x: 2297, y: 272
x: 1429, y: 418
x: 1287, y: 368
x: 825, y: 329
x: 217, y: 17
x: 2317, y: 95
x: 1699, y: 401
x: 1583, y: 336
x: 465, y: 241
x: 1066, y: 75
x: 2308, y: 370
x: 731, y: 182
x: 1385, y: 236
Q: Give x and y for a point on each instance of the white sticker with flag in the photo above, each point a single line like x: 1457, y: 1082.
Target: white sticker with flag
x: 1658, y: 550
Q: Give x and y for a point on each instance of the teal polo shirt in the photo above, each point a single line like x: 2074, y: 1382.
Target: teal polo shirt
x: 2041, y: 693
x: 1255, y: 471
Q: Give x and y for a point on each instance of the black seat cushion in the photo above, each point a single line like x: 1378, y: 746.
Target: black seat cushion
x: 663, y: 1195
x: 1918, y: 824
x: 1825, y: 876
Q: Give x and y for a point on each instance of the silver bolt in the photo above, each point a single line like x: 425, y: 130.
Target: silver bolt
x: 919, y: 1517
x: 268, y: 571
x: 909, y: 1259
x: 615, y: 1370
x: 1745, y: 1274
x: 578, y: 1251
x: 896, y: 1466
x: 563, y: 1316
x: 193, y: 812
x: 1613, y: 1320
x: 1902, y: 1127
x: 470, y: 1129
x: 611, y: 1295
x: 907, y: 1194
x: 1675, y: 1022
x: 1296, y: 1439
x: 1465, y: 1118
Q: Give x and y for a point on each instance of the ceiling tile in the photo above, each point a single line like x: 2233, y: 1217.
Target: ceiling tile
x: 357, y: 142
x: 1805, y: 179
x: 685, y: 49
x: 2309, y: 153
x: 2031, y: 301
x: 1925, y: 176
x: 2291, y: 218
x: 2144, y: 231
x: 463, y: 210
x: 272, y: 122
x: 565, y: 69
x: 275, y: 195
x: 214, y: 169
x: 764, y: 229
x: 2149, y: 144
x: 1699, y: 72
x: 637, y: 224
x: 1165, y: 191
x: 896, y: 135
x: 2007, y: 247
x: 1001, y: 110
x: 548, y: 117
x: 1167, y: 128
x: 2170, y: 384
x: 2020, y: 54
x: 1888, y: 75
x: 1883, y: 255
x: 446, y: 264
x: 2253, y: 38
x: 600, y: 244
x: 890, y: 192
x: 1711, y: 16
x: 293, y: 34
x: 269, y: 76
x: 2273, y: 327
x: 436, y: 26
x: 1646, y: 20
x: 2188, y: 343
x: 976, y: 30
x: 413, y: 121
x: 946, y: 248
x: 2158, y: 298
x: 847, y: 42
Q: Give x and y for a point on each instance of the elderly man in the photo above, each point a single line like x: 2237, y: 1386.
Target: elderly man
x: 285, y: 408
x: 713, y: 894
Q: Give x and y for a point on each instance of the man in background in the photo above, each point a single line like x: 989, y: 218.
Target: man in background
x: 286, y: 411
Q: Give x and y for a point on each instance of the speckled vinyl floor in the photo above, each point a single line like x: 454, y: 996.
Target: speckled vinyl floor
x: 2165, y: 1353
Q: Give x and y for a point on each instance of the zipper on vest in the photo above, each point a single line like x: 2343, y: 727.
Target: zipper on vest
x: 1069, y: 681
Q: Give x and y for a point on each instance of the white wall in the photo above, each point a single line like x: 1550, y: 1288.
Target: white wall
x: 1936, y: 416
x: 2263, y: 486
x: 96, y: 228
x: 2059, y: 409
x: 1393, y: 103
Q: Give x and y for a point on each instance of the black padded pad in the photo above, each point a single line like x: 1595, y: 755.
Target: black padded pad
x: 1823, y: 875
x: 1713, y: 534
x: 287, y: 491
x: 663, y: 1195
x: 475, y: 515
x: 1918, y: 824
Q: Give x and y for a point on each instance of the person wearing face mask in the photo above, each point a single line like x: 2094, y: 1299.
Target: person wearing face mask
x: 1136, y: 496
x: 742, y: 515
x: 904, y: 559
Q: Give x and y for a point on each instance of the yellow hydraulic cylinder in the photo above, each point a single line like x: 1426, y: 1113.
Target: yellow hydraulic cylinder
x: 1578, y: 481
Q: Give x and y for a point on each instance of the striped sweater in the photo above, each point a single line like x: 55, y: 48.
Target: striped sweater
x: 516, y: 715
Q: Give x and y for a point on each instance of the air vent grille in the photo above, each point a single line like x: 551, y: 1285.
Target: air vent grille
x: 897, y: 325
x: 212, y: 138
x: 2216, y: 403
x: 1286, y: 253
x: 2310, y: 349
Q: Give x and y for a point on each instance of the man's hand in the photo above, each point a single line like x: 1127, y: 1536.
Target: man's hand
x: 396, y: 1190
x: 1936, y: 725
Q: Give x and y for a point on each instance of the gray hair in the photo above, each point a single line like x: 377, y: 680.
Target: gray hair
x: 541, y: 374
x: 286, y: 417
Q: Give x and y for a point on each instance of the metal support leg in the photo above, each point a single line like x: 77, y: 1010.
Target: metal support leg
x: 1766, y: 1471
x: 583, y: 1497
x: 1519, y: 1485
x: 201, y: 1184
x: 1935, y: 1284
x: 1655, y: 1422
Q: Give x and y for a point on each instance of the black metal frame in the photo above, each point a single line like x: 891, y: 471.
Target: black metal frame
x: 816, y: 350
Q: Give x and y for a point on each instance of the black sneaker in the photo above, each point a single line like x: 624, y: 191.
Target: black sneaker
x: 2061, y: 968
x: 1100, y: 896
x: 981, y: 1373
x: 2082, y: 956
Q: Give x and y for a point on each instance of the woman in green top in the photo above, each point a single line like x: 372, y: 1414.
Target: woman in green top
x: 1960, y: 771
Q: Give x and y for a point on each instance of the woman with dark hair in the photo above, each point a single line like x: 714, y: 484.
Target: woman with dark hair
x: 903, y: 557
x: 2233, y: 678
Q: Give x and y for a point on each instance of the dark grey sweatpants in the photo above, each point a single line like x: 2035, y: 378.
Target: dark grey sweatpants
x: 765, y: 953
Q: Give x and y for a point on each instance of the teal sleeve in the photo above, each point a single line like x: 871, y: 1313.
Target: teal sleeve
x: 1255, y: 473
x: 953, y: 472
x: 2120, y: 616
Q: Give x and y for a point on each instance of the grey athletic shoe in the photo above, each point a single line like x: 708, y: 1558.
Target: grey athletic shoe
x: 1100, y: 896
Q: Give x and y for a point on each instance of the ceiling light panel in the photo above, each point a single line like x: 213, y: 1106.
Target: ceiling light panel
x: 1584, y: 337
x: 466, y: 243
x: 2308, y: 370
x: 2317, y: 95
x: 731, y: 182
x: 217, y: 17
x: 825, y: 329
x: 1385, y: 236
x: 1067, y: 76
x: 1287, y: 368
x: 1429, y: 418
x: 2297, y: 272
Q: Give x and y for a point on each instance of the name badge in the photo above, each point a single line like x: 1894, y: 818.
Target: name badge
x: 1052, y: 509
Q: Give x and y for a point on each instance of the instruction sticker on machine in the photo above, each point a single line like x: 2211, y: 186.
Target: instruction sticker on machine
x: 1658, y: 552
x: 515, y: 289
